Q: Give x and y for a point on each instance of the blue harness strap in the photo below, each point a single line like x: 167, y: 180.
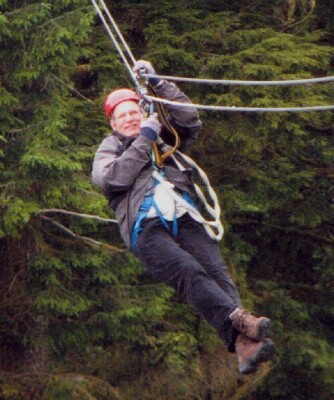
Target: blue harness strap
x: 141, y: 215
x: 147, y: 203
x: 188, y: 199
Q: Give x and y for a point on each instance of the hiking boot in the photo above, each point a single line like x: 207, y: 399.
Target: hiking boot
x: 251, y: 353
x: 252, y: 327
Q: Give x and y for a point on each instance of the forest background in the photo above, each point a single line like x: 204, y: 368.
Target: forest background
x: 79, y: 317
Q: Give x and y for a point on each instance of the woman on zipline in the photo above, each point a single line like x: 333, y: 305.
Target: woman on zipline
x: 160, y: 229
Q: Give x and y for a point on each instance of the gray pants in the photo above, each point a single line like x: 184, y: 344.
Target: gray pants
x: 191, y: 263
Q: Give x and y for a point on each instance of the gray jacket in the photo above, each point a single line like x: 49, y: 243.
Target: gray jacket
x: 122, y: 166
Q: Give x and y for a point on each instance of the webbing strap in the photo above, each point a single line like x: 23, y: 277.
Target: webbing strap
x: 145, y: 207
x: 163, y: 220
x: 193, y: 212
x: 140, y: 217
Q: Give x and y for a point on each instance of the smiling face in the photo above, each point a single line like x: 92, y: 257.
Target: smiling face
x: 126, y: 118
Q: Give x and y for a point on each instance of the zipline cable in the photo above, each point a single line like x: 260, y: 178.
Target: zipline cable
x: 240, y: 109
x: 118, y: 47
x: 230, y: 82
x: 119, y: 33
x: 240, y: 82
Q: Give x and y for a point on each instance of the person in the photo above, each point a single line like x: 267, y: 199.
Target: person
x: 172, y: 246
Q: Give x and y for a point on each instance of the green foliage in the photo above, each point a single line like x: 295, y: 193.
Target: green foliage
x: 79, y: 387
x: 38, y: 151
x: 17, y: 215
x: 62, y: 386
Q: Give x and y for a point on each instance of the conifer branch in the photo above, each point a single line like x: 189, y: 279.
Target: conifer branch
x: 71, y: 88
x: 300, y: 21
x: 329, y: 240
x: 80, y: 215
x: 13, y: 280
x: 86, y: 239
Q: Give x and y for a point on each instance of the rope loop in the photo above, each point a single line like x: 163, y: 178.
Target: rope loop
x: 213, y: 228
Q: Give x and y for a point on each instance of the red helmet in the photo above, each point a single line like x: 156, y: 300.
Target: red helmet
x: 116, y: 97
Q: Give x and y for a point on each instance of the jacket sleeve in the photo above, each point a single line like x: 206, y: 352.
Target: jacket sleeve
x: 115, y: 172
x: 185, y: 119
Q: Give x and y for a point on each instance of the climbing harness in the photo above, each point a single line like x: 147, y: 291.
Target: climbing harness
x: 214, y: 227
x: 150, y: 206
x: 214, y: 212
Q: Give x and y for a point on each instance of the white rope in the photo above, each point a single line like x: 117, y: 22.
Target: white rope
x: 240, y: 82
x: 215, y: 211
x: 193, y: 212
x: 240, y: 109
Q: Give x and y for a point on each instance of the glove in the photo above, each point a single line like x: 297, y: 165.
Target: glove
x: 148, y: 69
x: 145, y: 65
x: 150, y: 127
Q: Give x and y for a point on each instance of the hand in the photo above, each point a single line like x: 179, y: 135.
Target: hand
x: 151, y: 127
x: 143, y: 65
x: 147, y: 67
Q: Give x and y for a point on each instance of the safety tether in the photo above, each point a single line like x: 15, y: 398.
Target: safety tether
x: 160, y: 158
x: 193, y: 212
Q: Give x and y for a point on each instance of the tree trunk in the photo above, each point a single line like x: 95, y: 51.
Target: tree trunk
x: 18, y: 333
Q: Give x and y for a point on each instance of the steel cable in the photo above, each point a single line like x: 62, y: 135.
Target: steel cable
x: 240, y: 109
x: 211, y: 81
x: 118, y: 47
x: 240, y: 82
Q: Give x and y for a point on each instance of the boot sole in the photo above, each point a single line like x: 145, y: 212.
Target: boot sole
x: 265, y: 353
x: 264, y: 330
